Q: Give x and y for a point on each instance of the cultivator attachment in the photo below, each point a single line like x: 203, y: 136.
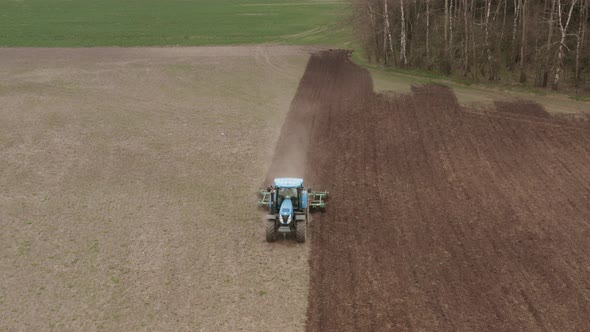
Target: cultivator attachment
x: 317, y: 199
x: 266, y: 198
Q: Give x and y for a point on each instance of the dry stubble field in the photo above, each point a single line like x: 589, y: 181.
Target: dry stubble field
x: 127, y: 181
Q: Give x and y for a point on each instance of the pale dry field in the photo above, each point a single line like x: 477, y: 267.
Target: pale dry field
x: 127, y: 189
x: 480, y: 95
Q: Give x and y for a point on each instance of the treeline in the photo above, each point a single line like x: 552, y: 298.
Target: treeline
x: 545, y: 43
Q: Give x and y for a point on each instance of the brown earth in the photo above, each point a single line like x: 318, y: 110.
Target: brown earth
x: 440, y: 218
x: 117, y: 167
x: 525, y: 107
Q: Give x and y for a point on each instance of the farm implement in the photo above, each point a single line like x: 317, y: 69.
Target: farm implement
x: 289, y: 204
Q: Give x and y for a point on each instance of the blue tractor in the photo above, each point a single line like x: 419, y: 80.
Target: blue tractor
x: 289, y: 205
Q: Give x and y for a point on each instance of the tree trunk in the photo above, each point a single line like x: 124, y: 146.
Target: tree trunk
x: 428, y: 32
x: 387, y: 34
x: 523, y: 44
x: 466, y: 43
x: 503, y: 23
x: 489, y: 57
x: 451, y: 47
x: 548, y: 45
x: 560, y: 52
x: 403, y: 55
x: 451, y: 37
x: 580, y: 37
x: 446, y: 56
x: 373, y: 27
x: 517, y: 4
x: 446, y: 24
x: 585, y: 19
x: 473, y: 45
x: 516, y: 14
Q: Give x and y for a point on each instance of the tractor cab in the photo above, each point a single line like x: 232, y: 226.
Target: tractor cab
x: 289, y: 203
x: 289, y: 190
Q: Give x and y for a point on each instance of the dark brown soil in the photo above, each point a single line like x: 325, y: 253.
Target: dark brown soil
x: 439, y: 218
x: 524, y: 107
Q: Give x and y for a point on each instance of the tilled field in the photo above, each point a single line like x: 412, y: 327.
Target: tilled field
x: 440, y: 218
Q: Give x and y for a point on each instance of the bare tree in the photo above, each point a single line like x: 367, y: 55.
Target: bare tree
x: 580, y: 36
x: 428, y: 31
x: 466, y: 41
x: 548, y: 52
x: 560, y: 52
x: 451, y: 51
x: 373, y: 38
x: 517, y: 5
x: 489, y: 57
x: 446, y: 25
x: 504, y: 21
x: 403, y: 55
x: 447, y: 57
x: 473, y: 44
x: 523, y: 44
x: 387, y: 32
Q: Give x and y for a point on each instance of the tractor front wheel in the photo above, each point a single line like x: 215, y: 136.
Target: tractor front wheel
x: 271, y: 231
x: 300, y: 231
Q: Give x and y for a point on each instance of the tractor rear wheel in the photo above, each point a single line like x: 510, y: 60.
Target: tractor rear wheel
x: 300, y: 231
x: 271, y: 231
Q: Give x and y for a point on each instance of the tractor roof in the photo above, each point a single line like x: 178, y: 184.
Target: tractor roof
x: 288, y: 182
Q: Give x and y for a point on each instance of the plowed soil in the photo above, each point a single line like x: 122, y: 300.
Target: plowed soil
x: 440, y: 218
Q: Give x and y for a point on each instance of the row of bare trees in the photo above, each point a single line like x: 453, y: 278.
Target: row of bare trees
x: 540, y: 42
